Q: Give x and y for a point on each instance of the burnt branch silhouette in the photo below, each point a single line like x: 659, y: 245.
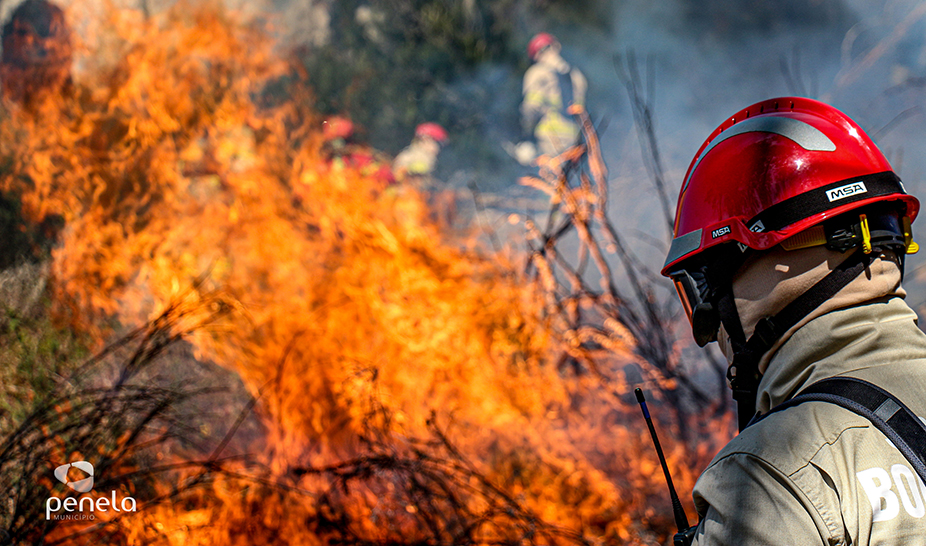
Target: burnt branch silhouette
x: 607, y: 309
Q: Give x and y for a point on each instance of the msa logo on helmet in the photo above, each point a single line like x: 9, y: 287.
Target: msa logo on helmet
x: 720, y: 232
x: 842, y: 192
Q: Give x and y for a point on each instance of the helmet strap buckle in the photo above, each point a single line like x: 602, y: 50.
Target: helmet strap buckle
x: 866, y: 233
x: 911, y: 246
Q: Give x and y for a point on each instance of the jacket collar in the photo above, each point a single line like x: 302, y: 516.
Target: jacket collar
x: 863, y: 336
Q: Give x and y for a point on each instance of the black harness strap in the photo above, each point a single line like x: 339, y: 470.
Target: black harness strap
x: 567, y: 94
x: 888, y: 414
x: 744, y: 379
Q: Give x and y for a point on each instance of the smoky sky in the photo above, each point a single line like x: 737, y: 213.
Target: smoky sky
x: 715, y: 57
x: 712, y: 58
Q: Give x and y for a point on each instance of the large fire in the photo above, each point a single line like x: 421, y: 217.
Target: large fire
x: 405, y: 382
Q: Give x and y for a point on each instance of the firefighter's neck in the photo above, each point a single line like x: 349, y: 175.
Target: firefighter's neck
x: 427, y: 145
x: 770, y: 281
x: 767, y: 283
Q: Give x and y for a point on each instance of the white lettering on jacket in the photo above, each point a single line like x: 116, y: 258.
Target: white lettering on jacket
x: 883, y: 492
x: 877, y: 485
x: 909, y: 491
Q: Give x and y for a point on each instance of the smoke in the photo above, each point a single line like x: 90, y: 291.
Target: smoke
x: 715, y: 57
x: 709, y: 59
x: 703, y: 61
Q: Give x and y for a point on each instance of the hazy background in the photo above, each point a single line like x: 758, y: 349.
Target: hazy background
x: 391, y: 64
x: 349, y: 336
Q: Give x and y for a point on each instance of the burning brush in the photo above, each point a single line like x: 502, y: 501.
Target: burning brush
x: 355, y: 324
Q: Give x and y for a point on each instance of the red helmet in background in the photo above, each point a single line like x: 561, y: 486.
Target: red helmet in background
x: 37, y: 34
x: 538, y: 43
x: 433, y: 131
x: 776, y: 169
x: 337, y: 127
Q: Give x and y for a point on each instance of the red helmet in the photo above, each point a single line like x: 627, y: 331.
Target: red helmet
x: 538, y: 43
x: 337, y: 127
x: 789, y: 171
x: 774, y: 170
x: 433, y: 131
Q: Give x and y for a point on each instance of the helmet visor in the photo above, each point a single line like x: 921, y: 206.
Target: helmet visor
x: 688, y: 292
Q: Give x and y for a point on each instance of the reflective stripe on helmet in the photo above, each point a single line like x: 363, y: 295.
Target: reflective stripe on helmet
x: 688, y: 242
x: 803, y: 134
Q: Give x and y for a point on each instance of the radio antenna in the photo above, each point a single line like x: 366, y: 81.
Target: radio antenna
x: 681, y: 519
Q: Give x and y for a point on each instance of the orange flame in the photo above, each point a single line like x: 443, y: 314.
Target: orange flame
x: 350, y: 302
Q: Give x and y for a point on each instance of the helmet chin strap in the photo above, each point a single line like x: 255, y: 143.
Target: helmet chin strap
x: 743, y: 372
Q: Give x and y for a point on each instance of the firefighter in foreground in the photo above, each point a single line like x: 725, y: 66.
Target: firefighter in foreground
x: 790, y: 238
x: 550, y: 87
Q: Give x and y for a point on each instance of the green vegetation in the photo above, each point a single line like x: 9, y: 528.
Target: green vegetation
x: 391, y: 64
x: 36, y: 353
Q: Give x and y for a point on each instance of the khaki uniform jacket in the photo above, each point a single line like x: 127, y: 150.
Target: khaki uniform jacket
x: 817, y: 473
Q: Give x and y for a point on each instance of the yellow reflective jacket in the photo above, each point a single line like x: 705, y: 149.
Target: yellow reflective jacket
x: 547, y: 93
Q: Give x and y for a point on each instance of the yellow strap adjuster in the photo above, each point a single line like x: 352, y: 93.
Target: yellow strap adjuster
x: 912, y: 247
x: 866, y: 234
x: 815, y: 236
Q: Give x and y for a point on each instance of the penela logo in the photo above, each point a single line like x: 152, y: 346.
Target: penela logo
x: 81, y: 486
x: 84, y: 508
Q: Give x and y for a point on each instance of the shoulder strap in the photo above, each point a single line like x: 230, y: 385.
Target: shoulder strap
x: 888, y: 414
x: 565, y: 89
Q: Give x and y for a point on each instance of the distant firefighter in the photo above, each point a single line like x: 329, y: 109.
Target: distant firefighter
x: 37, y: 51
x: 337, y: 128
x: 416, y: 162
x: 341, y: 152
x: 551, y: 86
